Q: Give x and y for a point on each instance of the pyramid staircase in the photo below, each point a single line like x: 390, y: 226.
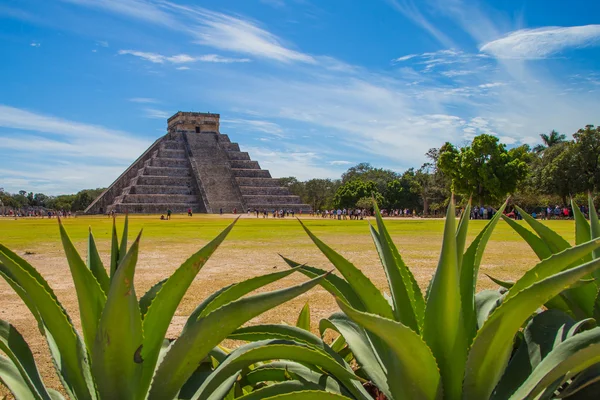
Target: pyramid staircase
x: 198, y: 169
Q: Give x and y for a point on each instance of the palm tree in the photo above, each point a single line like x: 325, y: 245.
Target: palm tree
x: 550, y: 140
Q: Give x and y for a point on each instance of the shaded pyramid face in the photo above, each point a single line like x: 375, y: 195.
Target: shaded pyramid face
x: 195, y: 167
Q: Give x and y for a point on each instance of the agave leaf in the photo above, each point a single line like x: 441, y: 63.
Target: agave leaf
x: 461, y: 233
x: 409, y: 304
x: 563, y: 362
x: 582, y: 227
x: 553, y: 240
x: 94, y: 263
x: 15, y: 347
x: 73, y: 365
x: 224, y: 391
x: 14, y: 381
x: 552, y: 265
x: 368, y: 293
x: 594, y: 228
x: 303, y: 321
x: 238, y: 290
x: 116, y: 366
x: 204, y: 334
x: 268, y: 350
x: 417, y: 376
x: 123, y: 245
x: 308, y: 395
x: 585, y: 385
x: 540, y: 337
x: 492, y: 346
x: 400, y: 300
x: 281, y: 371
x: 338, y: 344
x: 332, y: 283
x: 90, y: 296
x: 469, y: 271
x: 114, y: 249
x: 191, y: 386
x: 148, y: 297
x: 163, y: 307
x: 500, y: 282
x: 281, y: 388
x: 362, y: 349
x: 539, y: 247
x: 486, y: 302
x: 443, y: 329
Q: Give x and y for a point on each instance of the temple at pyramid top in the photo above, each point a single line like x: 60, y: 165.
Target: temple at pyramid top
x: 194, y: 166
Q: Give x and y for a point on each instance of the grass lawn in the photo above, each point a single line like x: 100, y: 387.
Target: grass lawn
x: 251, y: 249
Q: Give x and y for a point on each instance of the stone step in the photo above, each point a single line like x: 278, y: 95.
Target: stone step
x: 223, y: 138
x: 260, y: 182
x: 164, y: 180
x: 160, y: 189
x: 160, y: 198
x: 244, y: 164
x: 272, y: 199
x: 172, y: 145
x: 238, y: 155
x: 170, y: 153
x: 250, y: 173
x: 270, y: 207
x: 154, y: 208
x: 230, y: 146
x: 170, y: 162
x: 167, y: 171
x: 264, y: 190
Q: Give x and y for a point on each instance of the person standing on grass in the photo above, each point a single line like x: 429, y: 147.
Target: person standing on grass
x: 169, y: 212
x: 189, y: 212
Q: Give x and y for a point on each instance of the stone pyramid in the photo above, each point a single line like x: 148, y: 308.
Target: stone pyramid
x: 195, y: 166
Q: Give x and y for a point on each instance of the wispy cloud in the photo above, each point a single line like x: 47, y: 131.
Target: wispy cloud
x: 143, y: 100
x: 158, y: 114
x: 405, y: 58
x: 209, y: 28
x: 57, y: 155
x: 256, y: 126
x: 340, y: 162
x: 542, y: 42
x: 35, y: 44
x: 181, y: 58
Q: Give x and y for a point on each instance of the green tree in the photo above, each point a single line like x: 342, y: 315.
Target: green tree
x: 549, y: 140
x: 319, y: 193
x: 485, y: 169
x: 587, y: 157
x: 349, y: 193
x: 367, y: 173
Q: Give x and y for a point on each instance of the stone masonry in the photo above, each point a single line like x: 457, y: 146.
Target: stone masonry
x: 195, y: 166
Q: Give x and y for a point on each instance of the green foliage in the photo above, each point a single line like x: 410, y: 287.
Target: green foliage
x: 349, y: 193
x: 124, y: 354
x: 316, y: 192
x: 365, y: 172
x: 485, y: 169
x: 451, y: 342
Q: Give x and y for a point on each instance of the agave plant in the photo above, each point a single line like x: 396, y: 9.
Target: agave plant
x: 124, y: 353
x: 450, y: 342
x: 581, y: 301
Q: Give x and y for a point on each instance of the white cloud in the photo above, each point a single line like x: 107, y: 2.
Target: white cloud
x: 35, y: 44
x: 182, y: 68
x: 491, y: 85
x: 181, y: 58
x: 340, y: 162
x: 542, y: 42
x: 209, y: 28
x: 405, y: 58
x: 102, y: 43
x: 56, y: 155
x: 144, y: 100
x: 158, y: 114
x: 256, y: 126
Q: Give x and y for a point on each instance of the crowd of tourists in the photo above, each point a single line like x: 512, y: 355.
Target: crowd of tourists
x: 34, y: 213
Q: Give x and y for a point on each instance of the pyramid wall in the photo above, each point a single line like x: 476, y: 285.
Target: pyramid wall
x: 195, y: 166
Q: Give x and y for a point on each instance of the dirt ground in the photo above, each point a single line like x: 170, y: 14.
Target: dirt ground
x: 244, y: 256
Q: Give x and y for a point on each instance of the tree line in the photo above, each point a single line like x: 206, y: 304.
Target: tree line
x: 484, y: 169
x: 67, y: 202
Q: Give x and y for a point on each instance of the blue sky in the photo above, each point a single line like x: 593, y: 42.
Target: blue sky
x: 308, y: 87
